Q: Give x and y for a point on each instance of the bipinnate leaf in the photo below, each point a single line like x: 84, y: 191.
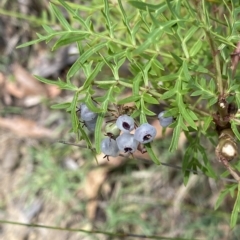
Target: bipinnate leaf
x: 155, y: 35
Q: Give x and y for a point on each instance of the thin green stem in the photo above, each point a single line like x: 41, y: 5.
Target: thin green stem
x: 30, y: 19
x: 216, y: 62
x: 92, y: 8
x: 145, y: 160
x: 129, y: 85
x: 153, y: 93
x: 201, y: 112
x: 122, y: 235
x: 105, y: 82
x: 103, y: 37
x: 193, y: 106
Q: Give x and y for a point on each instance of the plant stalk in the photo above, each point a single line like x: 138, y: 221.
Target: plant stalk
x: 216, y: 62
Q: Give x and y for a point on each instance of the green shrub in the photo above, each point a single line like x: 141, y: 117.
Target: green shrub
x: 181, y: 54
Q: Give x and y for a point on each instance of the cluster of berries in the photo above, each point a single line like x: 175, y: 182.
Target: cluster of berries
x: 127, y: 142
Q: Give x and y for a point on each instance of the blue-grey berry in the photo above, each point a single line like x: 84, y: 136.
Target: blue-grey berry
x: 126, y: 143
x: 125, y: 123
x: 90, y: 125
x: 145, y: 133
x: 86, y: 114
x: 109, y: 147
x: 164, y: 121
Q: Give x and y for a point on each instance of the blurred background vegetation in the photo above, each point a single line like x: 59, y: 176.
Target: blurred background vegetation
x: 53, y: 184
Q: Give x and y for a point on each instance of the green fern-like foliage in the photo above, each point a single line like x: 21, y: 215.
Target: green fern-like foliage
x: 178, y: 54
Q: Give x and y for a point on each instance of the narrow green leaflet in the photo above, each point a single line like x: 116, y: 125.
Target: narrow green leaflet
x: 61, y: 105
x: 210, y: 172
x: 151, y: 153
x: 237, y: 96
x: 186, y: 113
x: 185, y: 71
x: 167, y: 78
x: 74, y: 118
x: 90, y: 104
x: 206, y: 91
x: 196, y: 47
x: 174, y: 13
x: 87, y: 68
x: 169, y: 94
x: 74, y: 13
x: 148, y: 112
x: 186, y: 174
x: 198, y: 68
x: 60, y: 17
x: 145, y: 6
x: 228, y: 188
x: 48, y: 81
x: 190, y: 33
x: 177, y: 58
x: 114, y: 67
x: 108, y: 98
x: 84, y: 57
x: 129, y: 99
x: 143, y: 72
x: 136, y: 82
x: 123, y: 14
x: 69, y: 38
x: 40, y: 39
x: 176, y: 134
x: 222, y: 39
x: 126, y: 22
x: 188, y: 155
x: 235, y: 130
x: 156, y: 64
x: 193, y: 115
x: 47, y: 28
x: 212, y: 101
x: 143, y: 118
x: 187, y: 117
x: 97, y: 133
x: 153, y: 18
x: 154, y: 35
x: 106, y: 14
x: 85, y: 136
x: 149, y: 99
x: 225, y: 174
x: 207, y: 121
x: 236, y: 209
x: 59, y: 83
x: 93, y: 74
